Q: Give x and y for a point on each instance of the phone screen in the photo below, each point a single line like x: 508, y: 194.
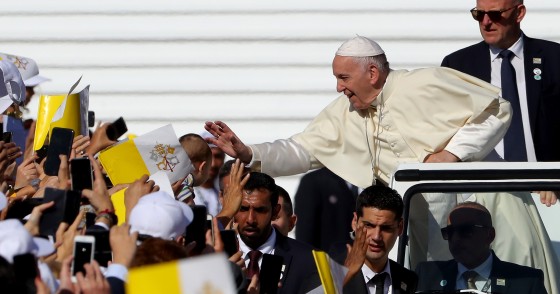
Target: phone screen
x: 82, y: 254
x: 25, y: 266
x: 81, y: 174
x: 60, y: 143
x: 102, y: 253
x: 196, y: 230
x: 65, y: 209
x: 269, y: 275
x: 229, y: 238
x: 116, y: 129
x: 7, y: 137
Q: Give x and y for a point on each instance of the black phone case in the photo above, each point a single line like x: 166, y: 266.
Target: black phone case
x: 229, y: 238
x: 60, y: 143
x: 269, y: 274
x: 102, y: 253
x: 196, y: 230
x: 81, y: 174
x: 116, y: 129
x: 66, y: 208
x: 7, y: 137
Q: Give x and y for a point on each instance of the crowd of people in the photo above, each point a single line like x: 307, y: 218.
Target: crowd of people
x: 490, y: 101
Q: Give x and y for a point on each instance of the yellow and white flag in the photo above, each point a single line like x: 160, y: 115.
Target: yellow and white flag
x: 64, y: 111
x: 210, y: 273
x: 158, y: 150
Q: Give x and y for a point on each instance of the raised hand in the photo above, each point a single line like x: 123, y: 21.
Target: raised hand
x: 228, y: 141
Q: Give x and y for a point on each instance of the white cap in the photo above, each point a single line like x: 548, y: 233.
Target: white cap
x: 27, y: 67
x: 16, y: 240
x: 359, y: 47
x: 12, y: 89
x: 159, y: 215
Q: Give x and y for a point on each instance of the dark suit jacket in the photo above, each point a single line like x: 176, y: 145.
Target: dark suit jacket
x: 543, y: 96
x: 513, y: 278
x: 403, y: 280
x: 299, y: 265
x: 324, y: 206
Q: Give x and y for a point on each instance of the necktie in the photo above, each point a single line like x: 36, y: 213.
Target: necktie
x: 253, y: 267
x: 379, y: 282
x: 514, y: 140
x: 470, y: 279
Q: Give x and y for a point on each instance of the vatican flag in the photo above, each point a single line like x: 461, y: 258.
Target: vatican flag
x: 209, y: 273
x: 158, y: 150
x: 64, y: 111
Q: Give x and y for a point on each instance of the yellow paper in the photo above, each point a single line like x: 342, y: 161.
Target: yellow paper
x: 322, y: 263
x: 123, y: 163
x: 48, y: 105
x: 160, y: 278
x: 118, y: 205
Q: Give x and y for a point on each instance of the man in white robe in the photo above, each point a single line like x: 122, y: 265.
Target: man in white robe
x: 385, y: 117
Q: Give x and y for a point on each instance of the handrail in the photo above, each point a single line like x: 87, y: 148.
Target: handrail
x: 414, y: 175
x: 463, y: 187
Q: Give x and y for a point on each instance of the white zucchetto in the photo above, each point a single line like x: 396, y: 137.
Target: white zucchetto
x: 359, y: 47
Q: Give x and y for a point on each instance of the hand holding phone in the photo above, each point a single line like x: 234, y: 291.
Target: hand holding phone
x: 269, y: 275
x: 116, y: 129
x: 196, y: 230
x: 81, y: 174
x: 65, y: 209
x: 60, y: 143
x: 84, y: 247
x: 229, y: 238
x: 7, y: 137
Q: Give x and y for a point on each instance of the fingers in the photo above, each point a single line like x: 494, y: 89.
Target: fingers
x: 96, y: 171
x: 548, y: 198
x: 63, y: 176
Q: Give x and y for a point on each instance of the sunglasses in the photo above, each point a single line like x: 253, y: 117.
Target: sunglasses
x: 494, y: 15
x: 465, y: 231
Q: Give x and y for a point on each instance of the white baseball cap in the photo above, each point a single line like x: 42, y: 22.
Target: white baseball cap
x: 16, y: 240
x: 159, y: 215
x: 12, y: 89
x: 27, y: 67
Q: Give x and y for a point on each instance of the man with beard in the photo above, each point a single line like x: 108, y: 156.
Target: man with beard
x: 257, y: 236
x: 377, y: 223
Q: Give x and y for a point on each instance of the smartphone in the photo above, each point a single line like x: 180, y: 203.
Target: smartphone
x: 41, y: 153
x: 269, y: 274
x: 229, y: 238
x: 81, y: 174
x: 19, y: 209
x: 209, y: 225
x: 91, y: 119
x: 25, y: 272
x: 102, y: 253
x: 25, y: 266
x: 116, y: 129
x: 196, y: 230
x: 60, y: 142
x: 7, y: 137
x: 65, y: 209
x: 84, y: 247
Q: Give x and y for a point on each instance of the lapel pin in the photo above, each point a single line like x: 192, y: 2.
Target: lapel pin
x: 536, y: 61
x: 537, y: 77
x: 537, y: 71
x: 501, y: 282
x: 443, y: 283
